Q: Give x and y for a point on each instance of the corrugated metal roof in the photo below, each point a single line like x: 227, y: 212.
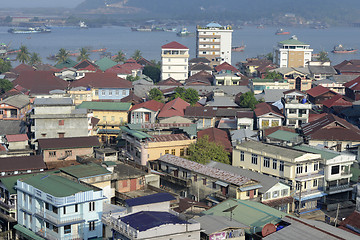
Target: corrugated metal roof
x: 284, y: 135
x: 212, y: 224
x: 149, y: 199
x: 109, y: 106
x: 85, y: 170
x: 137, y: 134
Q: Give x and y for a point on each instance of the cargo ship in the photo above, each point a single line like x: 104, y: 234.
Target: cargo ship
x: 29, y: 30
x: 281, y: 32
x: 340, y: 49
x: 238, y: 49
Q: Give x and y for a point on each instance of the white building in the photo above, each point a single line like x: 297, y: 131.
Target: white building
x: 174, y: 57
x: 296, y: 108
x: 214, y: 43
x: 292, y: 53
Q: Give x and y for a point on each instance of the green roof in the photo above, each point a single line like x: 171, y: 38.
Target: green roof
x: 85, y: 170
x: 55, y: 185
x: 292, y: 41
x: 355, y: 174
x: 284, y: 135
x: 10, y: 182
x: 105, y: 63
x: 29, y: 234
x: 267, y: 80
x: 325, y: 154
x: 69, y: 63
x: 109, y: 106
x: 109, y: 163
x: 250, y: 213
x: 134, y: 133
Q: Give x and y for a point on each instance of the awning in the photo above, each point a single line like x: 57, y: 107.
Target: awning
x: 252, y: 187
x: 30, y: 234
x: 318, y: 195
x: 221, y: 183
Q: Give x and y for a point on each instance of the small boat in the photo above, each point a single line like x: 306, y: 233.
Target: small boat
x: 99, y: 50
x: 141, y: 29
x: 281, y: 32
x: 170, y: 29
x: 340, y: 49
x: 13, y: 51
x: 238, y: 49
x: 74, y: 54
x: 82, y: 24
x: 29, y: 30
x: 184, y: 33
x: 260, y: 26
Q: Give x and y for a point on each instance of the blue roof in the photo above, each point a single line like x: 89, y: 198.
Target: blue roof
x: 145, y: 220
x: 214, y: 24
x: 153, y: 198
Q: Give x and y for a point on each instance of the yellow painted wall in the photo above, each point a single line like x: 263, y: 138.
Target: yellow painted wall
x: 296, y: 59
x: 113, y: 118
x: 157, y: 149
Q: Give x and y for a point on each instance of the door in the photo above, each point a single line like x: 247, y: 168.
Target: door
x: 251, y: 194
x: 132, y: 184
x: 298, y: 83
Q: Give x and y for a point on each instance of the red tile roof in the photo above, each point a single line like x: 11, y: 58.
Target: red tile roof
x: 40, y: 82
x: 17, y: 138
x: 175, y: 107
x: 125, y: 68
x: 132, y: 98
x: 169, y: 82
x: 151, y: 105
x: 245, y: 114
x: 21, y: 68
x: 317, y: 91
x: 348, y: 66
x: 226, y: 66
x: 169, y: 137
x: 174, y: 45
x: 200, y: 78
x: 351, y: 222
x: 72, y: 142
x: 264, y: 108
x: 102, y: 80
x: 218, y: 136
x: 315, y: 116
x: 86, y: 65
x: 10, y: 164
x: 337, y: 100
x: 354, y: 84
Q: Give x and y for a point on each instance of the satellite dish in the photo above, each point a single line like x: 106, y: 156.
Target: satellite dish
x: 268, y: 229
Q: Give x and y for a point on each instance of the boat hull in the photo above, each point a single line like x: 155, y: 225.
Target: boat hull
x: 345, y: 51
x: 282, y: 33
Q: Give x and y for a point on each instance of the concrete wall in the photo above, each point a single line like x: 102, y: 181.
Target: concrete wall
x: 111, y: 118
x: 61, y: 153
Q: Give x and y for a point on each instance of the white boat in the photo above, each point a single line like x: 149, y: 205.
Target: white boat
x: 82, y: 24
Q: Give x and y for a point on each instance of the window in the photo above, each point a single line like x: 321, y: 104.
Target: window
x: 52, y: 154
x: 266, y: 162
x: 166, y: 151
x: 187, y: 151
x: 281, y: 166
x: 110, y: 93
x: 195, y: 178
x: 299, y: 169
x: 248, y: 193
x: 91, y: 206
x: 254, y: 159
x: 55, y: 210
x: 47, y: 225
x: 316, y: 166
x: 64, y: 210
x: 284, y: 192
x: 182, y: 152
x: 242, y: 156
x: 204, y: 181
x: 61, y: 122
x: 275, y: 194
x: 274, y: 163
x: 1, y: 111
x: 103, y: 92
x: 298, y: 186
x: 76, y: 208
x: 123, y: 92
x: 335, y: 169
x: 55, y: 229
x: 104, y: 118
x: 267, y: 195
x: 61, y: 135
x: 292, y: 111
x: 68, y: 152
x: 67, y: 229
x: 47, y: 206
x: 112, y: 118
x: 173, y: 151
x: 92, y: 226
x: 214, y: 185
x: 96, y: 92
x: 315, y: 183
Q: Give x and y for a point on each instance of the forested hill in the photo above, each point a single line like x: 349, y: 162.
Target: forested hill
x: 344, y: 10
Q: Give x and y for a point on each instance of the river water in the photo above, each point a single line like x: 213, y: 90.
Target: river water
x: 114, y: 38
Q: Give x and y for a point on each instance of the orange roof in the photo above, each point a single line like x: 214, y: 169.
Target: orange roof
x: 16, y: 137
x: 175, y: 107
x: 264, y: 108
x: 218, y: 136
x: 226, y: 66
x: 317, y: 91
x: 174, y: 45
x: 336, y: 100
x: 101, y: 80
x: 151, y: 105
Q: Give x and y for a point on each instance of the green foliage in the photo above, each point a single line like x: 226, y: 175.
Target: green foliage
x: 248, y: 100
x: 269, y: 56
x: 23, y: 55
x: 189, y: 95
x: 323, y: 57
x: 8, y: 19
x: 152, y: 72
x: 62, y: 55
x: 84, y: 55
x: 273, y: 75
x: 120, y: 57
x: 5, y: 85
x: 34, y: 59
x: 137, y: 55
x: 132, y: 78
x: 5, y: 65
x: 156, y: 94
x: 203, y: 151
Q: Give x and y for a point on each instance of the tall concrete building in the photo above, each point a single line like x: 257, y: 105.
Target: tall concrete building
x: 292, y: 53
x: 214, y: 43
x: 174, y: 57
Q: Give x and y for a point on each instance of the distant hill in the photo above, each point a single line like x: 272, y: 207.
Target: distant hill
x: 332, y: 10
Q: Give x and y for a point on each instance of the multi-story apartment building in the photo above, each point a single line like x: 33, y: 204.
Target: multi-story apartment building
x: 214, y: 43
x: 174, y: 57
x: 55, y: 207
x: 57, y: 118
x: 296, y: 108
x: 299, y: 169
x: 292, y: 53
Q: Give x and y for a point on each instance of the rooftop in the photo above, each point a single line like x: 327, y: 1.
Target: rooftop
x: 105, y: 106
x: 22, y: 163
x: 85, y: 170
x: 293, y: 41
x: 72, y: 142
x: 174, y: 45
x: 149, y: 199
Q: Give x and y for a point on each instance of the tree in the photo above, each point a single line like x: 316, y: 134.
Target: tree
x: 62, y: 55
x: 84, y: 54
x: 23, y: 55
x: 132, y: 78
x: 189, y: 95
x: 5, y: 85
x: 273, y: 75
x: 120, y: 57
x: 156, y: 94
x: 323, y: 57
x: 203, y: 151
x: 34, y: 59
x: 152, y: 72
x: 137, y: 55
x: 248, y: 100
x: 5, y: 65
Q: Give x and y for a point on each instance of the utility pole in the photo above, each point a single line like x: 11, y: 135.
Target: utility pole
x: 337, y: 213
x: 299, y: 198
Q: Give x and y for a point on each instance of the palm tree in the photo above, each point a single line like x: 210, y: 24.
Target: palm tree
x: 34, y: 59
x: 83, y: 54
x: 137, y: 55
x: 120, y: 57
x: 23, y: 55
x: 62, y: 55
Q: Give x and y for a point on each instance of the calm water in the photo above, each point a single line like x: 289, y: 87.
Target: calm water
x: 257, y: 41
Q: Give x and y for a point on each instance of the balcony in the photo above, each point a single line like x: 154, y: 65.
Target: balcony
x: 56, y: 219
x: 121, y: 227
x: 6, y: 204
x: 50, y: 235
x: 177, y: 180
x: 309, y: 176
x: 338, y: 189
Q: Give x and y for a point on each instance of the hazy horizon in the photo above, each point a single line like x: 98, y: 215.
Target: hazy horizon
x: 40, y: 3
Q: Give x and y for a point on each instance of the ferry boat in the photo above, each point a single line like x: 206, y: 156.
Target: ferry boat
x: 29, y: 30
x: 238, y: 49
x: 184, y: 33
x: 340, y: 49
x: 281, y: 32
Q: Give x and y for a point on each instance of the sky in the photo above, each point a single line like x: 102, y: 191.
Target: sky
x: 39, y: 3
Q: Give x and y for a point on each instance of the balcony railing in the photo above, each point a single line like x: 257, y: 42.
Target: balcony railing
x: 177, y: 180
x: 6, y: 205
x: 121, y: 227
x: 345, y: 187
x: 55, y: 218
